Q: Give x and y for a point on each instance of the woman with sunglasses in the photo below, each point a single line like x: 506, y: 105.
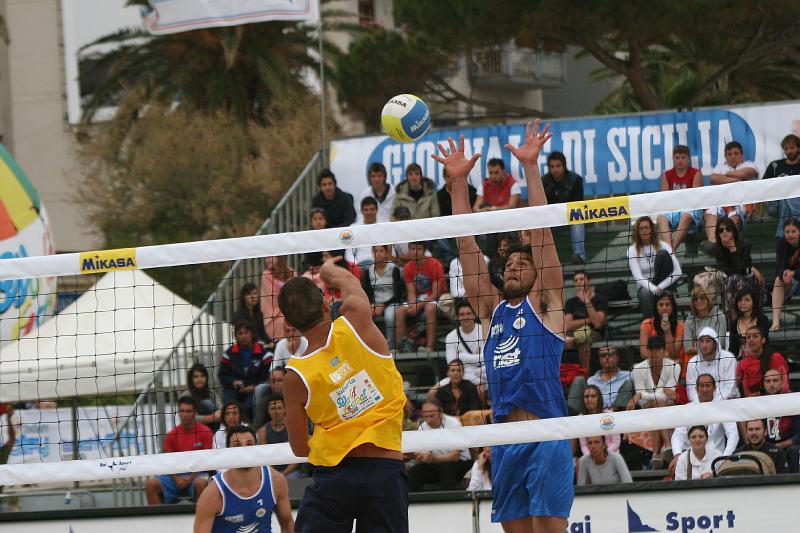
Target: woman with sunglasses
x: 734, y: 259
x: 702, y: 313
x: 787, y: 269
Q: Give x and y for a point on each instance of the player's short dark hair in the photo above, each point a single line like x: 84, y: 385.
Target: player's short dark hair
x: 734, y: 145
x: 325, y: 173
x: 376, y: 168
x: 496, y: 162
x: 369, y: 200
x: 517, y: 248
x: 681, y: 149
x: 235, y: 430
x: 557, y: 156
x: 300, y: 301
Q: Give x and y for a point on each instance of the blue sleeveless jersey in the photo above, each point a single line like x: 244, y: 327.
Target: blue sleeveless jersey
x: 245, y: 515
x: 523, y: 363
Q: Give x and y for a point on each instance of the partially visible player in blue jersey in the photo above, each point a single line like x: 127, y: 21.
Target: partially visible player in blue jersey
x: 523, y: 326
x: 242, y: 500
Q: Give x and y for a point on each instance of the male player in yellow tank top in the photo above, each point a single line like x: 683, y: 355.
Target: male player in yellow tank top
x: 348, y: 386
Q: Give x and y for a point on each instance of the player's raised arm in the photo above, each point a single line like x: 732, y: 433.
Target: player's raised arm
x: 481, y: 293
x: 545, y: 256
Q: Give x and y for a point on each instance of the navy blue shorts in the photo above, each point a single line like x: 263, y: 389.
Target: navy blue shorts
x: 371, y: 491
x: 532, y: 479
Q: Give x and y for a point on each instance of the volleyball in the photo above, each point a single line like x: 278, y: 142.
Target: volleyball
x: 405, y: 118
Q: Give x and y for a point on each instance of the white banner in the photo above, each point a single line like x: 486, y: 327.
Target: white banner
x: 173, y: 16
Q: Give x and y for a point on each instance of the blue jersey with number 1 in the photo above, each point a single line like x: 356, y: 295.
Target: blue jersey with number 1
x: 245, y: 515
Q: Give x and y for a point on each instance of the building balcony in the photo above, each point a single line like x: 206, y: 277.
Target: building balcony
x: 509, y: 67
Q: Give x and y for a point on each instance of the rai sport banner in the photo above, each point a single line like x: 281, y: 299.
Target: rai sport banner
x: 616, y: 155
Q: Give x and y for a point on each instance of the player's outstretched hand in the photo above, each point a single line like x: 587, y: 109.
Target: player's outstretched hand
x: 455, y: 162
x: 528, y: 153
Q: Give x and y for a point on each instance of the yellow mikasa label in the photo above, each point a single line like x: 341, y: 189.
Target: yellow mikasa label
x: 108, y: 260
x: 615, y: 208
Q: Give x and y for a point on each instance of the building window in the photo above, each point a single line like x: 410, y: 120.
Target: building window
x: 366, y: 12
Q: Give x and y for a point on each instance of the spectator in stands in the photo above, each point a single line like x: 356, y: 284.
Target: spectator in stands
x: 424, y: 279
x: 733, y: 170
x: 231, y: 416
x: 249, y: 310
x: 275, y: 432
x: 400, y: 252
x: 458, y: 395
x: 334, y: 296
x: 274, y: 387
x: 789, y: 166
x: 615, y: 386
x: 733, y: 258
x: 465, y: 344
x: 664, y: 323
x: 294, y: 345
x: 338, y: 205
x: 276, y: 273
x: 380, y: 190
x: 593, y: 405
x: 187, y: 436
x: 362, y: 255
x: 499, y: 191
x: 442, y: 467
x: 722, y: 437
x: 675, y: 226
x: 481, y: 475
x: 600, y: 466
x: 11, y: 433
x: 756, y: 440
x: 758, y: 358
x: 653, y: 265
x: 455, y: 277
x: 244, y: 366
x: 447, y: 247
x: 703, y: 313
x: 787, y: 269
x: 561, y: 186
x: 383, y: 283
x: 747, y: 314
x: 585, y: 318
x: 695, y: 463
x: 783, y: 431
x: 319, y: 220
x: 417, y: 193
x: 497, y: 264
x: 655, y: 380
x: 198, y: 388
x: 712, y: 360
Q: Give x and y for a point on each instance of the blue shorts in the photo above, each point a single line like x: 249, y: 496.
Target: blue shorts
x: 533, y: 479
x: 371, y: 491
x: 675, y: 217
x: 171, y: 492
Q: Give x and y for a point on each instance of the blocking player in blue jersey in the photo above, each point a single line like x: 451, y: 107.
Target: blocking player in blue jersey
x: 523, y: 326
x: 242, y: 500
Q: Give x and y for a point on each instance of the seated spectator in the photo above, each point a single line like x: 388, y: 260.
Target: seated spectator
x: 593, y: 405
x: 458, y: 395
x: 499, y: 191
x: 723, y: 437
x: 497, y: 264
x: 11, y: 433
x: 263, y: 392
x: 695, y: 463
x: 334, y: 296
x: 187, y: 436
x: 362, y: 255
x: 653, y: 265
x: 400, y: 252
x: 455, y: 276
x: 719, y: 363
x: 615, y: 386
x: 703, y: 313
x: 787, y: 269
x: 562, y: 186
x: 785, y: 208
x: 600, y: 466
x: 756, y: 440
x: 249, y: 310
x: 465, y: 344
x: 231, y: 416
x: 747, y: 314
x: 276, y: 273
x: 655, y: 380
x: 197, y: 387
x: 319, y: 220
x: 424, y: 278
x: 783, y: 431
x: 675, y: 226
x: 338, y: 205
x: 416, y: 193
x: 275, y: 432
x: 380, y: 190
x: 734, y: 259
x: 383, y: 283
x: 243, y: 366
x: 757, y: 360
x: 294, y: 345
x: 442, y: 467
x: 733, y: 170
x: 585, y: 318
x: 447, y: 247
x: 481, y: 475
x: 664, y: 323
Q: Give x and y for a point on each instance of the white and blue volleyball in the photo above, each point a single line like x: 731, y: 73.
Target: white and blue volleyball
x: 405, y: 118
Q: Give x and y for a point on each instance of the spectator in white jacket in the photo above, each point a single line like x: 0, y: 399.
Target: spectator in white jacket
x: 481, y: 474
x: 695, y: 463
x: 465, y: 343
x: 712, y: 360
x: 379, y: 189
x: 653, y: 265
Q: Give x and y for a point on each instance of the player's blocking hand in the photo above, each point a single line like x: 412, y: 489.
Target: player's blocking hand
x: 455, y: 162
x: 528, y: 153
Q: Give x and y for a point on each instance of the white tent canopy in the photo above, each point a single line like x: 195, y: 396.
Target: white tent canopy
x: 109, y: 341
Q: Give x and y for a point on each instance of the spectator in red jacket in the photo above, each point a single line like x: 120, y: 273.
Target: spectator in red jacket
x: 758, y: 358
x: 424, y: 278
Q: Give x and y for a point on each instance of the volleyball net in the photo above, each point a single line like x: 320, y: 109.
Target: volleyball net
x: 95, y: 388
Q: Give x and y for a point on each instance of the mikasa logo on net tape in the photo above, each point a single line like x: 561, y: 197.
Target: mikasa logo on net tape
x: 108, y: 260
x: 599, y: 210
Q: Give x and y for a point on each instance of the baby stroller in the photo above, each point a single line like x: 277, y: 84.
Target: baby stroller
x: 744, y: 463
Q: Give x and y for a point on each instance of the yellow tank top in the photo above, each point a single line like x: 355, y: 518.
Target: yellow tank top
x: 355, y: 396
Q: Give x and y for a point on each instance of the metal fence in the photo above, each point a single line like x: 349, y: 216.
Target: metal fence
x: 152, y: 416
x: 523, y: 66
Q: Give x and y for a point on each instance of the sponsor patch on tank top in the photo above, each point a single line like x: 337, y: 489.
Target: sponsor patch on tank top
x: 341, y: 373
x: 357, y: 395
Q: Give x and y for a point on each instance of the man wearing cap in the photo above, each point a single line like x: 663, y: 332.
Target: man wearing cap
x: 713, y: 360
